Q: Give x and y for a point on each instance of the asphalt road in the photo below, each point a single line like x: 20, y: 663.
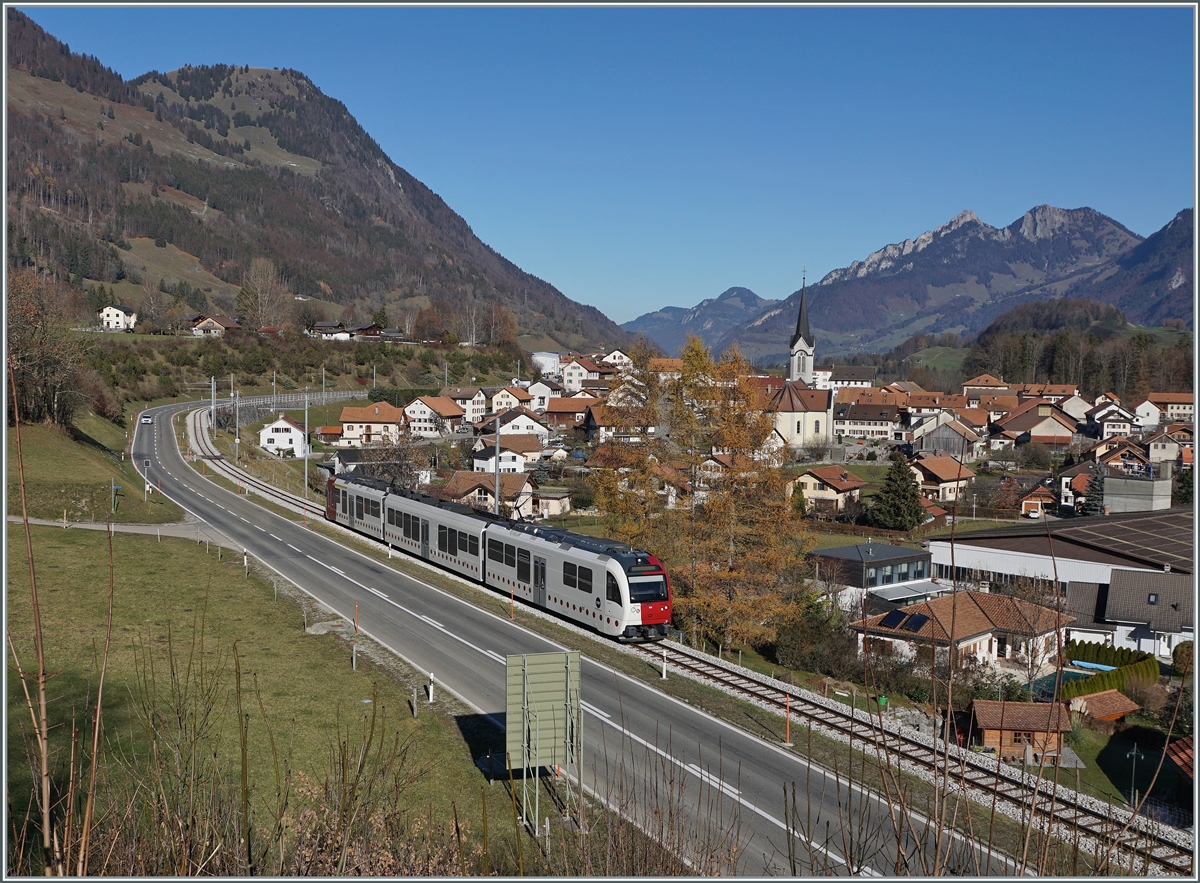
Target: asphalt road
x: 637, y: 743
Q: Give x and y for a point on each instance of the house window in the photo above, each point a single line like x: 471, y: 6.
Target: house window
x: 871, y: 576
x: 816, y: 426
x: 887, y: 574
x: 1153, y: 599
x: 1022, y: 738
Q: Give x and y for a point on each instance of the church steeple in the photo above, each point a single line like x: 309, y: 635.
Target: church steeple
x: 800, y: 365
x: 802, y: 330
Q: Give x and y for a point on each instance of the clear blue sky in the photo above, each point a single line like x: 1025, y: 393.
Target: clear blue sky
x: 640, y: 157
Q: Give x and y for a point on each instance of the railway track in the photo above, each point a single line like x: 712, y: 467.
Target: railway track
x: 1155, y: 848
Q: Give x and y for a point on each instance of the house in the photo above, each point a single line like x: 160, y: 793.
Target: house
x: 1147, y: 415
x: 1075, y: 407
x: 472, y: 399
x: 1073, y: 482
x: 484, y: 460
x: 552, y: 502
x: 478, y: 490
x: 802, y: 415
x: 433, y: 416
x: 213, y: 326
x: 950, y: 436
x: 1020, y: 730
x: 828, y: 489
x: 881, y: 422
x: 998, y: 406
x: 563, y: 413
x: 369, y: 332
x: 967, y: 625
x: 512, y: 422
x: 868, y: 565
x: 329, y: 435
x: 984, y: 383
x: 1106, y: 705
x: 1150, y: 611
x: 527, y: 444
x: 1040, y: 422
x: 1109, y: 419
x: 578, y: 372
x: 617, y: 359
x: 377, y: 423
x: 330, y: 331
x: 510, y: 397
x: 843, y: 377
x: 940, y: 477
x: 1161, y: 448
x: 928, y: 403
x: 1072, y: 550
x: 667, y: 369
x: 1174, y: 405
x: 1183, y: 755
x: 1038, y: 502
x: 600, y: 423
x: 1051, y: 392
x: 118, y: 318
x: 1125, y: 457
x: 283, y: 436
x: 541, y: 392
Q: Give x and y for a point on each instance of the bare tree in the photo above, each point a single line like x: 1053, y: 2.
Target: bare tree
x: 396, y: 461
x: 263, y: 295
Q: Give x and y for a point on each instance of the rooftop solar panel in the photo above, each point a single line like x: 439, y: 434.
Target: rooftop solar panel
x: 915, y: 622
x: 893, y: 619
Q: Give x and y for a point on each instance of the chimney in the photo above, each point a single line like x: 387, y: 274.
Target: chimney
x: 1166, y: 568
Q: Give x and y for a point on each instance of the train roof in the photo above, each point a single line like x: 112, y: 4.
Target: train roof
x: 624, y: 552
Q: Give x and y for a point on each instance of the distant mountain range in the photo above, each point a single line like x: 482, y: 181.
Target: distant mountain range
x: 709, y: 320
x: 962, y: 275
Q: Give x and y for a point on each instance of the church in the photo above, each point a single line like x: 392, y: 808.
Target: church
x: 803, y: 412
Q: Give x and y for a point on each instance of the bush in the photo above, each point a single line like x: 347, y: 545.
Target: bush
x: 1181, y: 659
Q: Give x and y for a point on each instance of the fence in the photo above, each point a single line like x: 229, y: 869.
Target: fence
x: 253, y: 409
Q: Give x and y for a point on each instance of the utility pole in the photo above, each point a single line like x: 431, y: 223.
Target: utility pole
x: 274, y: 394
x: 237, y: 430
x: 497, y: 470
x: 304, y: 450
x: 212, y: 409
x: 231, y: 385
x: 322, y: 384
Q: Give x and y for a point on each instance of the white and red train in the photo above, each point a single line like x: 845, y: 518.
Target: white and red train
x: 619, y: 591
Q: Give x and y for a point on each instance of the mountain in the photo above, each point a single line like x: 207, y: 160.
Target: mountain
x: 222, y: 164
x: 709, y: 320
x: 960, y: 276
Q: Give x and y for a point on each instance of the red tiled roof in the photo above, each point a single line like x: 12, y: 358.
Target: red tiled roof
x: 837, y: 478
x: 1105, y: 705
x: 943, y: 468
x: 1035, y: 717
x: 1184, y: 755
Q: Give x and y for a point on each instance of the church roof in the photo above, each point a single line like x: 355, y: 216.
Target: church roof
x: 803, y: 332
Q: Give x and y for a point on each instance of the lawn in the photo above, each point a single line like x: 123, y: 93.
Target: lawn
x: 1109, y: 766
x: 173, y: 598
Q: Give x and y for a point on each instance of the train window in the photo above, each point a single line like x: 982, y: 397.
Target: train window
x: 612, y: 591
x: 358, y: 506
x: 404, y: 518
x: 473, y: 546
x: 391, y: 516
x: 414, y: 528
x: 510, y: 555
x: 496, y: 551
x: 452, y: 542
x: 374, y: 508
x: 585, y: 579
x: 523, y: 565
x: 569, y: 579
x: 647, y: 589
x: 344, y: 505
x: 441, y: 538
x: 462, y: 542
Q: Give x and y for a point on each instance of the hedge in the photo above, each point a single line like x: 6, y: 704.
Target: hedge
x: 1132, y: 665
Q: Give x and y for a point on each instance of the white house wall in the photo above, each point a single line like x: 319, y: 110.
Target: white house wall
x: 1001, y: 561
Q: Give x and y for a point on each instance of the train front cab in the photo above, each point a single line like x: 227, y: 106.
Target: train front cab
x: 643, y: 592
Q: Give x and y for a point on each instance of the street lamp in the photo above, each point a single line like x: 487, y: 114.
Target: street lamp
x: 973, y: 507
x: 304, y: 449
x: 237, y: 435
x: 1133, y: 775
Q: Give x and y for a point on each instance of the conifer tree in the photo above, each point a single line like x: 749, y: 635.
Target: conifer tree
x: 381, y: 318
x: 898, y: 503
x: 1093, y: 500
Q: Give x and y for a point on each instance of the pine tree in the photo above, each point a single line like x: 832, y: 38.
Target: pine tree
x: 381, y: 318
x: 898, y: 503
x: 1093, y: 500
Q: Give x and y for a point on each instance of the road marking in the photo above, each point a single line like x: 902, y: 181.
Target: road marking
x: 290, y: 546
x: 432, y: 622
x: 263, y: 529
x: 272, y: 536
x: 496, y: 656
x: 591, y: 709
x: 709, y: 779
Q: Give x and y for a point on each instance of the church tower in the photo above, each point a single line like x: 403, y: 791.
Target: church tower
x: 803, y: 346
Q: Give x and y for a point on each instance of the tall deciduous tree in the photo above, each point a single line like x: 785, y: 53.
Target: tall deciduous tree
x: 46, y: 356
x: 897, y: 506
x: 263, y: 296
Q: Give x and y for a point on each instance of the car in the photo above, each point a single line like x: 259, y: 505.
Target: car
x: 146, y: 418
x: 1036, y: 513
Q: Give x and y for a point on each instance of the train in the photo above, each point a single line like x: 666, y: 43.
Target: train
x: 609, y: 586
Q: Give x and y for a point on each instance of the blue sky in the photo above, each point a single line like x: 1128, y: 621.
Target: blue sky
x: 639, y: 157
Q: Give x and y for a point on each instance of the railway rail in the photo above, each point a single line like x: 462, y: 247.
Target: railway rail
x: 1155, y: 848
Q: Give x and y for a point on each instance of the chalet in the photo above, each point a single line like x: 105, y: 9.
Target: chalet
x: 472, y: 399
x: 328, y: 435
x: 828, y: 489
x: 283, y: 437
x: 940, y: 477
x: 377, y: 423
x: 478, y: 490
x: 1126, y: 458
x: 802, y: 415
x: 969, y: 625
x: 881, y: 422
x: 433, y: 416
x: 1020, y: 730
x: 118, y: 318
x: 213, y: 326
x: 368, y: 332
x: 617, y: 359
x: 1038, y: 502
x: 563, y: 413
x: 330, y: 331
x: 1040, y: 422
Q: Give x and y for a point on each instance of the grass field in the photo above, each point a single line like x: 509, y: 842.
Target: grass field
x: 171, y: 593
x: 64, y: 475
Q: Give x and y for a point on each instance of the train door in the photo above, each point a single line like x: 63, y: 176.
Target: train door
x: 613, y: 601
x: 539, y: 581
x: 424, y: 538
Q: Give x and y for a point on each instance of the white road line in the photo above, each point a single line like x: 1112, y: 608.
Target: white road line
x: 591, y: 709
x: 263, y: 529
x: 496, y: 656
x: 272, y: 536
x: 709, y: 779
x: 290, y: 546
x: 433, y: 622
